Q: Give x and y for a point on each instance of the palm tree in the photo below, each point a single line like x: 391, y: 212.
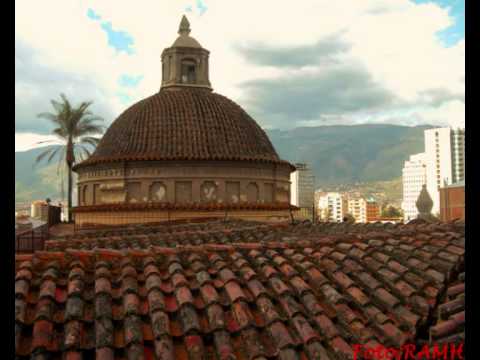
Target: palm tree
x: 74, y: 126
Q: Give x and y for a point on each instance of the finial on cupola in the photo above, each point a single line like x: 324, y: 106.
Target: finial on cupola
x: 184, y: 28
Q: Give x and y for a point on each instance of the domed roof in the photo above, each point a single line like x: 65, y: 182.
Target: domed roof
x: 424, y: 202
x: 184, y: 124
x: 184, y: 39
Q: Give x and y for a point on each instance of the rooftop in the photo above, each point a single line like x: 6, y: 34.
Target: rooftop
x: 240, y: 290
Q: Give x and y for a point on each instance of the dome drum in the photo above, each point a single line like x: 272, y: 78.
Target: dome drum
x: 184, y: 182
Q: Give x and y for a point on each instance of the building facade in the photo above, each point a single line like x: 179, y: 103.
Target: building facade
x: 444, y: 160
x: 39, y: 210
x: 413, y: 177
x: 332, y: 207
x: 452, y: 202
x: 357, y: 207
x: 302, y: 188
x: 373, y: 210
x: 185, y: 152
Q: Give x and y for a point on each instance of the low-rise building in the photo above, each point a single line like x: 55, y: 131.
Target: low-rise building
x: 373, y: 210
x: 39, y: 210
x: 452, y: 202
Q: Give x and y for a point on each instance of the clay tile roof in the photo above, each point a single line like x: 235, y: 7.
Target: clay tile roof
x: 264, y: 299
x: 450, y: 314
x: 186, y: 124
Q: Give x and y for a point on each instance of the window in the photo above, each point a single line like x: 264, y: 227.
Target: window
x: 188, y: 72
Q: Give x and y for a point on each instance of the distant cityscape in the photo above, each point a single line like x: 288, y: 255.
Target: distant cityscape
x: 440, y: 168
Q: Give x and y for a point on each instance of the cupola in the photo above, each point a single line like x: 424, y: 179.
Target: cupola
x: 185, y: 63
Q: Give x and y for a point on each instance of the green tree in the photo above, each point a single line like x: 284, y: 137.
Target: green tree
x: 74, y: 127
x: 391, y: 211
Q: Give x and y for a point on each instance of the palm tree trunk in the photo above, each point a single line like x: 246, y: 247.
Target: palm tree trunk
x: 70, y: 160
x: 69, y: 200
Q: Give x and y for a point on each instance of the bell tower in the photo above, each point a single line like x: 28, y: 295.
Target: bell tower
x: 185, y: 63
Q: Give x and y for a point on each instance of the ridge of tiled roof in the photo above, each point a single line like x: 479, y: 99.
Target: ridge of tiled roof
x: 246, y: 300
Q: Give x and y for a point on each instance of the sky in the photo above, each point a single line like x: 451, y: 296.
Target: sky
x: 307, y: 63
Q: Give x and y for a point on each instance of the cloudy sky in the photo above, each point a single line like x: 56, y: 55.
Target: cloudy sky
x: 306, y: 63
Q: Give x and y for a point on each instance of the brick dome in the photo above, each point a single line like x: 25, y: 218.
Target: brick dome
x: 184, y: 124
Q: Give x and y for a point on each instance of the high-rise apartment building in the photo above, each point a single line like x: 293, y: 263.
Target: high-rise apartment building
x: 332, y: 207
x: 357, y: 207
x: 302, y: 186
x: 413, y: 177
x: 444, y: 160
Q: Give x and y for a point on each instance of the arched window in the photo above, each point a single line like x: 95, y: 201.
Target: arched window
x: 188, y: 69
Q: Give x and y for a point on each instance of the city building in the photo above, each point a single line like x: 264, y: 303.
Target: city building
x: 373, y: 210
x: 357, y: 207
x: 413, y: 177
x: 332, y: 207
x: 39, y: 210
x: 452, y: 202
x: 444, y: 160
x: 183, y: 153
x: 302, y: 189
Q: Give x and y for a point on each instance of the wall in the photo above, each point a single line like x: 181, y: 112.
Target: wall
x: 452, y: 203
x: 155, y: 216
x: 184, y: 182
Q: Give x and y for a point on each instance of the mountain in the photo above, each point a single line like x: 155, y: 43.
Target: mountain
x: 350, y: 154
x: 337, y: 155
x: 35, y: 181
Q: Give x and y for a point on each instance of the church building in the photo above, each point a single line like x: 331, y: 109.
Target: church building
x: 185, y: 152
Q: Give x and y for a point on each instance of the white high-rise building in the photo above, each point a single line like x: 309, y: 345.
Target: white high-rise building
x: 332, y: 207
x: 413, y: 177
x: 444, y: 159
x: 302, y: 186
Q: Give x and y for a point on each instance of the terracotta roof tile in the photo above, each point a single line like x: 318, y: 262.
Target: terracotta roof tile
x: 212, y: 128
x: 270, y: 299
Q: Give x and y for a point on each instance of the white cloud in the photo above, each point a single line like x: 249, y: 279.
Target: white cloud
x: 26, y: 141
x: 394, y: 39
x: 450, y: 113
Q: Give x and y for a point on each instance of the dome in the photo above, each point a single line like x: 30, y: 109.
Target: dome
x: 184, y: 124
x: 424, y: 202
x: 186, y: 41
x: 183, y: 153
